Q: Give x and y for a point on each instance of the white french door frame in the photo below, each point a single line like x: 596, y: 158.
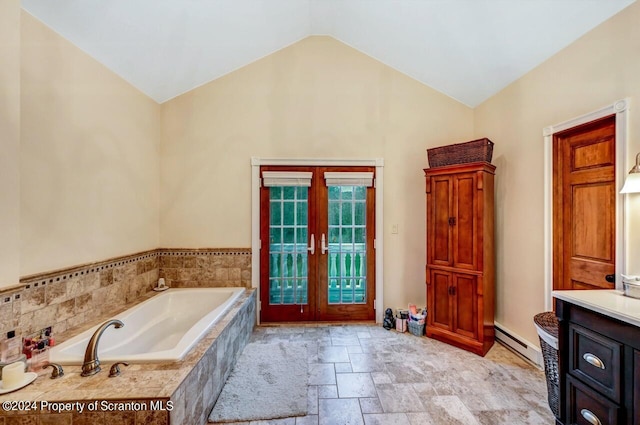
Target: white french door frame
x: 257, y: 162
x: 620, y: 109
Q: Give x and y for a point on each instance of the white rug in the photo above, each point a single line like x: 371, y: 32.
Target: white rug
x: 269, y: 381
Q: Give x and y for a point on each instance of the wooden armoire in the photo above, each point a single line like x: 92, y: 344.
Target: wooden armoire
x: 460, y: 255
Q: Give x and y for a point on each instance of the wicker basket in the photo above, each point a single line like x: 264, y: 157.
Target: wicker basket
x: 415, y: 328
x: 474, y: 151
x: 547, y: 327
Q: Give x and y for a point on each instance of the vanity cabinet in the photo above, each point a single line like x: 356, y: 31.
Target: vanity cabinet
x: 599, y: 366
x: 460, y: 255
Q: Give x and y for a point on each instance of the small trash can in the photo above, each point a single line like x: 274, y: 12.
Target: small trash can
x: 547, y: 327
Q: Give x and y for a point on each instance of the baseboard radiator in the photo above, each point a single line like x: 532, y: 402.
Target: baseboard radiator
x: 519, y: 344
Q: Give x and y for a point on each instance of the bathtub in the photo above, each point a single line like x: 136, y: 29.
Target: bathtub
x: 160, y: 329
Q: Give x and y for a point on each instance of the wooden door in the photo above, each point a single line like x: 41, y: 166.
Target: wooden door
x: 440, y: 216
x: 464, y: 223
x: 439, y: 299
x: 346, y: 279
x: 584, y: 206
x: 317, y: 258
x: 288, y: 260
x: 465, y: 301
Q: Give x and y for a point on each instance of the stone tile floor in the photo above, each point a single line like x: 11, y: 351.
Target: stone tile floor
x: 361, y: 374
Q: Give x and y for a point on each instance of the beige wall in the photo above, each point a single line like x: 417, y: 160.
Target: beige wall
x: 9, y: 142
x: 598, y: 69
x: 88, y: 157
x: 315, y: 99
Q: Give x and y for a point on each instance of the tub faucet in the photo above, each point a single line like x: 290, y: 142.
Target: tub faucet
x: 91, y: 364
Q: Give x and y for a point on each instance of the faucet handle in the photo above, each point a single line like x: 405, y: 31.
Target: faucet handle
x: 115, y: 369
x: 57, y: 370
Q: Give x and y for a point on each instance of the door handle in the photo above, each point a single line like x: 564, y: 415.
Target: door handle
x: 323, y: 245
x: 452, y: 221
x: 312, y: 245
x: 610, y: 278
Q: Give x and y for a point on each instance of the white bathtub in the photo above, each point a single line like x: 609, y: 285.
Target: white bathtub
x: 160, y: 329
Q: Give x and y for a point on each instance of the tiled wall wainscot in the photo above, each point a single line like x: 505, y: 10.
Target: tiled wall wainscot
x: 67, y: 298
x: 203, y: 268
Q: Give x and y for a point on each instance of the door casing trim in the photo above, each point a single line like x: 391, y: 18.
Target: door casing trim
x: 256, y: 162
x: 620, y: 108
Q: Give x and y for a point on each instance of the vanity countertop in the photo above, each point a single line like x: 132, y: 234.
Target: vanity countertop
x: 609, y: 302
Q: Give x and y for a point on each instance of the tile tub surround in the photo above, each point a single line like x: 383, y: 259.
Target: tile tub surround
x: 196, y: 395
x: 198, y: 268
x: 192, y: 384
x: 67, y: 298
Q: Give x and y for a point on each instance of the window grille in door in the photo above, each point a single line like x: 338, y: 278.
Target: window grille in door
x: 347, y: 245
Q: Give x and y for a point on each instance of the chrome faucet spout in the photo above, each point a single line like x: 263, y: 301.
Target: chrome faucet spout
x: 91, y: 364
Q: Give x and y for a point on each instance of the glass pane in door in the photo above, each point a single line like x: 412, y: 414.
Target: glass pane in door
x: 288, y: 231
x: 347, y: 245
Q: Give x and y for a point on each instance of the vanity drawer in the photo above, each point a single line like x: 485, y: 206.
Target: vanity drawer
x: 587, y: 407
x: 596, y: 360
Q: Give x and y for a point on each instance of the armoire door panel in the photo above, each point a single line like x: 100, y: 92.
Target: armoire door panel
x: 464, y: 228
x: 440, y: 313
x: 465, y: 305
x: 441, y: 211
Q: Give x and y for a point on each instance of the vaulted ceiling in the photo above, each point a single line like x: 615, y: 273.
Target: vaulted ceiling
x: 467, y: 49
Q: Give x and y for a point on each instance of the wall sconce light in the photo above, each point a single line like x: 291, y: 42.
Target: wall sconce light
x: 632, y: 183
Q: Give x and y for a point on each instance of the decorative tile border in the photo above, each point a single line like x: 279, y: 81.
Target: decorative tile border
x: 41, y: 279
x: 204, y: 251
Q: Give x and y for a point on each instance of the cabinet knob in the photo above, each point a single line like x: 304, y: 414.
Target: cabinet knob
x: 593, y: 360
x: 452, y: 221
x: 590, y: 417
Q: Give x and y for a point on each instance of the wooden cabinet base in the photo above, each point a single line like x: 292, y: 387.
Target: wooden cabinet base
x: 477, y: 347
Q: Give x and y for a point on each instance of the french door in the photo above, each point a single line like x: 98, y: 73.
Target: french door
x: 317, y: 243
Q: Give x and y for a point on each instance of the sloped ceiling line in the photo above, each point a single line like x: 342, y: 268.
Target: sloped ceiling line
x: 467, y: 49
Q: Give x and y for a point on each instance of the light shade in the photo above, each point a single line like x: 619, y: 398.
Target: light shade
x: 632, y: 183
